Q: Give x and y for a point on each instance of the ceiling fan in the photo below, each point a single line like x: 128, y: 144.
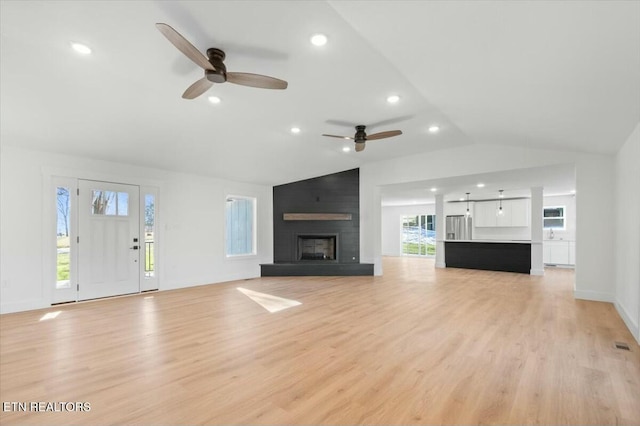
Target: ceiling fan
x: 360, y: 138
x: 214, y: 68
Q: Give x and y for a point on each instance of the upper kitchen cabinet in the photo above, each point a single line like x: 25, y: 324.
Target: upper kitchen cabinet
x: 519, y: 212
x: 456, y: 208
x: 515, y: 213
x: 484, y: 213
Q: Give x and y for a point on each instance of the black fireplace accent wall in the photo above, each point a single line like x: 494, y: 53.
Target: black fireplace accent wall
x: 335, y: 193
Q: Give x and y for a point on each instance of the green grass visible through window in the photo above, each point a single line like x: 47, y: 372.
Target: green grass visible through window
x: 63, y: 266
x: 149, y: 263
x: 415, y: 248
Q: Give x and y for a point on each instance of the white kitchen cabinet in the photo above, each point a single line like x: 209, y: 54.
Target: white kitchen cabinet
x: 505, y: 218
x: 484, y: 214
x: 572, y: 252
x: 546, y: 253
x: 515, y: 214
x: 457, y: 208
x: 519, y: 210
x: 558, y: 252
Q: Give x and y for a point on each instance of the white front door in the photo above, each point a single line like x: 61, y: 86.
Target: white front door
x: 109, y: 239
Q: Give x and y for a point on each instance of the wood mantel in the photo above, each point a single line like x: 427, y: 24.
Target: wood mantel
x: 316, y: 216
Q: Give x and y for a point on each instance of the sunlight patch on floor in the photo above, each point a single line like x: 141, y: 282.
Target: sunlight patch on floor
x: 50, y: 315
x: 269, y: 302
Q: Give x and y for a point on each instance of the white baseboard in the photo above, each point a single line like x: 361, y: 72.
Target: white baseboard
x: 441, y: 265
x: 628, y: 321
x: 27, y: 305
x: 595, y: 296
x: 539, y: 272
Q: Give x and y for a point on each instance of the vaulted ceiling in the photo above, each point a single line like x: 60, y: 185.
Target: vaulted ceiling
x: 561, y: 75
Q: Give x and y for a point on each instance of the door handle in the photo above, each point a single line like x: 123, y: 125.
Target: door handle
x: 134, y: 248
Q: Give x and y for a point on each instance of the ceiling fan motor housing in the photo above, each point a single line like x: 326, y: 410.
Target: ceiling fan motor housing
x: 360, y: 136
x: 216, y: 58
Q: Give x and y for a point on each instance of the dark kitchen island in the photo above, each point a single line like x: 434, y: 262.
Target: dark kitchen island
x: 507, y: 256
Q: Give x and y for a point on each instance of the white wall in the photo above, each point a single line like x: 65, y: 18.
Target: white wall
x: 392, y: 225
x: 595, y: 247
x: 190, y: 224
x: 627, y: 215
x: 594, y: 182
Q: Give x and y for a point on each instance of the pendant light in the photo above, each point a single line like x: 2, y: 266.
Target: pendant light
x: 468, y: 213
x: 500, y: 211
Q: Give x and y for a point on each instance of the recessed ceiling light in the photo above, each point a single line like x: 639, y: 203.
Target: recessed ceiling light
x: 214, y: 99
x: 318, y: 39
x: 573, y: 191
x: 460, y: 199
x: 393, y: 99
x: 346, y: 137
x: 434, y: 189
x: 81, y: 48
x: 480, y: 185
x: 295, y: 130
x: 434, y: 129
x: 346, y: 149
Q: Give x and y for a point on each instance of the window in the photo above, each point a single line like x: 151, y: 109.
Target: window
x: 554, y: 217
x: 240, y: 226
x: 149, y: 235
x: 63, y: 248
x: 419, y: 235
x: 109, y: 203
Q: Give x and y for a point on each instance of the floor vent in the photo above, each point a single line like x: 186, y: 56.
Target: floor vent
x: 623, y: 346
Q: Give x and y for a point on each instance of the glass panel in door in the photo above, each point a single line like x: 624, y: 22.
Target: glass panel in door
x: 418, y: 235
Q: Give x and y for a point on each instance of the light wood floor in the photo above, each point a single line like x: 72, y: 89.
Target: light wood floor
x: 415, y: 346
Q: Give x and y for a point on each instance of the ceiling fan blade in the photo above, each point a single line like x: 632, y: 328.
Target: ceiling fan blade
x: 390, y: 121
x: 341, y: 137
x: 256, y: 80
x: 383, y: 135
x: 340, y: 123
x: 360, y: 146
x: 184, y: 46
x: 197, y: 88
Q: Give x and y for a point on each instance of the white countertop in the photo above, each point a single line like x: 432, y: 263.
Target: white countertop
x: 490, y: 241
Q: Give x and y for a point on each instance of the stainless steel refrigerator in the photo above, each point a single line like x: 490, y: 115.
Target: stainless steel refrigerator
x: 458, y: 227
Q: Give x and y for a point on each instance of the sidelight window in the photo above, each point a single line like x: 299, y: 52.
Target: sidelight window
x: 63, y: 235
x: 149, y: 235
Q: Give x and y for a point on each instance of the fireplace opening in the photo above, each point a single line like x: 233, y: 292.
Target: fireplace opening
x: 317, y: 247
